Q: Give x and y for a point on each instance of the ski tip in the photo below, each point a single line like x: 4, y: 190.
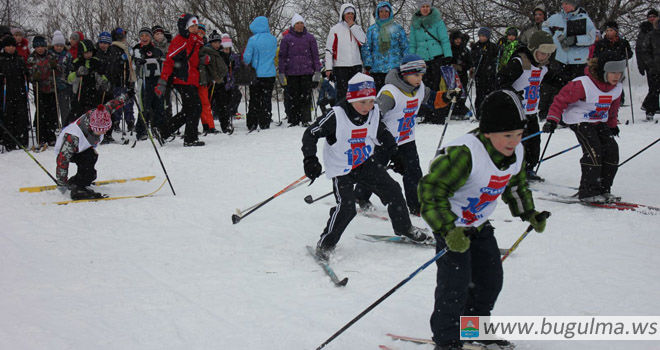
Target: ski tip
x: 235, y: 219
x: 309, y: 199
x: 343, y: 282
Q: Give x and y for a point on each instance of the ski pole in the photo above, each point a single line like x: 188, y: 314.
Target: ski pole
x: 559, y: 153
x: 530, y: 136
x: 277, y: 100
x: 4, y: 94
x: 36, y: 98
x: 632, y: 110
x: 80, y: 88
x: 541, y: 216
x: 236, y: 218
x: 26, y: 151
x: 381, y: 299
x: 642, y: 150
x: 543, y: 154
x: 444, y: 130
x: 57, y: 102
x: 310, y: 200
x: 27, y: 98
x: 154, y: 144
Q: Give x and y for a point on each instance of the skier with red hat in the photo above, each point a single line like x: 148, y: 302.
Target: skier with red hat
x: 77, y: 144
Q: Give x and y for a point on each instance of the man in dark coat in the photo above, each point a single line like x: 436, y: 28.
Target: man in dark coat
x: 462, y: 62
x: 648, y: 61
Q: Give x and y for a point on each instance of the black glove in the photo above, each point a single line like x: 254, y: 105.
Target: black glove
x: 312, y: 167
x: 398, y: 164
x: 445, y: 61
x: 139, y: 61
x: 130, y: 93
x: 615, y: 131
x: 549, y: 126
x: 451, y: 94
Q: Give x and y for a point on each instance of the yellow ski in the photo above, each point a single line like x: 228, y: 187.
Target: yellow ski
x: 111, y: 198
x: 97, y: 183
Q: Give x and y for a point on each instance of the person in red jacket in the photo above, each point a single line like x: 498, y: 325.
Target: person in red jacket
x: 589, y: 105
x: 181, y: 68
x: 74, y: 39
x: 22, y: 44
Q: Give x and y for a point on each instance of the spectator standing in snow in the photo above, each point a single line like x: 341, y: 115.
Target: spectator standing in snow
x: 40, y: 63
x: 120, y: 73
x: 648, y: 54
x: 540, y: 15
x: 342, y: 50
x: 462, y: 62
x: 507, y: 45
x: 22, y: 44
x: 74, y: 39
x: 484, y: 58
x: 64, y: 63
x: 386, y: 44
x: 260, y: 53
x: 300, y: 66
x: 148, y: 60
x: 13, y: 111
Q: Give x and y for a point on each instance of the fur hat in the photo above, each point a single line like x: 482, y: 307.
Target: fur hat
x: 501, y: 111
x: 361, y: 87
x: 99, y: 120
x: 39, y: 41
x: 653, y: 12
x: 58, y: 38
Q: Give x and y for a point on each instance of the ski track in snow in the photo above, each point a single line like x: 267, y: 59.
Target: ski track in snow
x: 173, y: 272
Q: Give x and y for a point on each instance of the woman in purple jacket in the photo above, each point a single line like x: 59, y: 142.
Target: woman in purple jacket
x: 299, y: 66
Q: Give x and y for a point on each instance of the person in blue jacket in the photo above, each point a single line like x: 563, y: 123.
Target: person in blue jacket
x: 386, y: 44
x: 260, y: 53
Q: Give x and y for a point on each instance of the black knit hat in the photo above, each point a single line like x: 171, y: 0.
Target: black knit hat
x: 39, y: 41
x: 215, y: 36
x: 652, y: 12
x: 157, y: 28
x: 501, y: 111
x: 612, y: 24
x: 86, y: 46
x: 8, y: 41
x: 146, y: 30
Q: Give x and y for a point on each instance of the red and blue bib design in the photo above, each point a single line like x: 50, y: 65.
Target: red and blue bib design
x: 359, y: 151
x: 489, y: 194
x: 407, y: 123
x: 533, y: 91
x: 602, y: 107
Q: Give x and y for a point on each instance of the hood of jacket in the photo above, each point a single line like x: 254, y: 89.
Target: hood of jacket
x: 393, y: 77
x: 427, y: 21
x: 181, y: 24
x: 343, y: 8
x: 381, y: 5
x: 260, y: 25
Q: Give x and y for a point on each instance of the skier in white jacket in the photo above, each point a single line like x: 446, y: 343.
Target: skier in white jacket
x: 342, y: 49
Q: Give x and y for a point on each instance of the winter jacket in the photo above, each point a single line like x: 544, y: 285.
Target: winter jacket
x: 387, y: 102
x: 342, y: 46
x: 118, y: 65
x: 181, y: 66
x: 506, y: 49
x: 382, y: 53
x: 574, y: 91
x: 461, y: 57
x: 451, y: 170
x: 232, y: 61
x: 619, y: 45
x: 575, y: 25
x: 162, y: 46
x: 40, y: 71
x: 484, y: 59
x: 13, y: 74
x: 23, y: 49
x: 425, y: 45
x: 64, y: 62
x: 299, y: 54
x: 527, y: 32
x: 514, y: 69
x: 261, y: 48
x: 73, y: 50
x: 649, y: 51
x: 91, y: 83
x: 148, y: 60
x: 644, y: 29
x: 215, y: 71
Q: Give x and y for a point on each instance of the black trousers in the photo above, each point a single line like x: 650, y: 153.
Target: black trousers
x: 532, y: 146
x: 411, y: 177
x: 468, y: 284
x: 47, y: 117
x: 261, y: 92
x: 14, y: 116
x: 600, y: 158
x: 379, y: 79
x: 189, y: 115
x: 432, y: 79
x: 342, y: 76
x: 221, y: 106
x: 86, y: 173
x: 152, y: 107
x: 299, y: 89
x: 376, y: 179
x: 483, y: 86
x: 650, y: 104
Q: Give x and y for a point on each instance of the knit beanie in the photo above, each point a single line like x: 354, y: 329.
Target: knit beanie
x: 8, y: 41
x: 226, y: 40
x: 613, y: 25
x: 297, y: 18
x: 412, y: 64
x: 485, y: 32
x: 99, y: 120
x: 361, y: 87
x: 17, y: 30
x: 653, y: 12
x: 512, y: 31
x: 215, y: 36
x: 192, y: 21
x: 39, y: 41
x: 58, y: 38
x: 85, y: 46
x: 202, y: 26
x: 118, y: 34
x: 145, y: 30
x: 421, y: 3
x: 157, y: 28
x: 105, y: 37
x: 501, y: 111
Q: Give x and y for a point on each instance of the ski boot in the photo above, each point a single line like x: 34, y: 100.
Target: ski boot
x: 416, y: 234
x: 366, y: 206
x: 196, y: 143
x: 531, y: 176
x: 599, y: 198
x: 497, y: 344
x: 323, y: 253
x: 609, y: 198
x: 455, y: 345
x: 81, y: 192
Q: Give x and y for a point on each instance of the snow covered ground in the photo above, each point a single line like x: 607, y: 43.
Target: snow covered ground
x: 171, y: 272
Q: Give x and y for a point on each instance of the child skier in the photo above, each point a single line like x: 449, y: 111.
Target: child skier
x: 77, y: 143
x: 458, y: 196
x: 523, y: 74
x: 351, y: 130
x: 399, y: 102
x: 590, y: 105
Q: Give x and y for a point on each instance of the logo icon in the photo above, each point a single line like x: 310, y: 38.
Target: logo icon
x: 489, y: 194
x: 469, y: 326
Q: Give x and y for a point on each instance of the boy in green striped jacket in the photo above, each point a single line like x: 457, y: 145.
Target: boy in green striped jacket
x: 458, y: 196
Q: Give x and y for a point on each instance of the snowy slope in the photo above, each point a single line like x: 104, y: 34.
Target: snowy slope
x: 172, y: 272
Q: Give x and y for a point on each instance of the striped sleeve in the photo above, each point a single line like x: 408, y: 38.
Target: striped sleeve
x: 518, y: 196
x: 447, y: 174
